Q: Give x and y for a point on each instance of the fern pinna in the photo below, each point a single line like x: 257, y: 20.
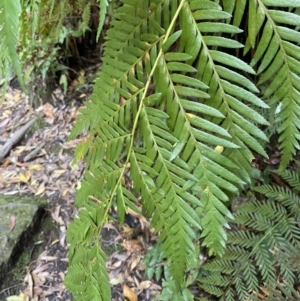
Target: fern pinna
x: 178, y: 114
x: 262, y: 259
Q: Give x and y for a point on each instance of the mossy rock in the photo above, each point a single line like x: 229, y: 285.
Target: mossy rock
x: 19, y: 220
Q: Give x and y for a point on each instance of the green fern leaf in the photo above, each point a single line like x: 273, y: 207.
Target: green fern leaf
x: 9, y: 39
x: 102, y: 15
x: 276, y: 57
x: 291, y: 177
x: 87, y: 260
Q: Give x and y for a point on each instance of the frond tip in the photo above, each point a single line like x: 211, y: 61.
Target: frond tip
x: 87, y: 261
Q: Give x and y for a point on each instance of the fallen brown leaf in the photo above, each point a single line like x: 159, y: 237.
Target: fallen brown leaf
x: 145, y: 285
x: 36, y: 167
x: 132, y: 245
x: 41, y: 189
x: 129, y: 293
x: 48, y: 110
x: 135, y: 262
x: 25, y: 177
x: 4, y: 122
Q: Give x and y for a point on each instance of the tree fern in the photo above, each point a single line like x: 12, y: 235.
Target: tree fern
x: 174, y: 112
x: 262, y: 255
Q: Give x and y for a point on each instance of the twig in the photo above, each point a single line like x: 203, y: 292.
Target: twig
x: 5, y: 149
x: 34, y: 152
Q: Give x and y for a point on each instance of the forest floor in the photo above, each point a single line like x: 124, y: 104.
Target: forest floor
x: 41, y: 164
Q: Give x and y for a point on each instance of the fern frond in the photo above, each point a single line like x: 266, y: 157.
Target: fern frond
x: 87, y: 257
x: 282, y: 195
x: 9, y: 39
x: 292, y: 178
x: 279, y: 292
x: 85, y: 18
x: 228, y: 89
x: 276, y: 58
x: 165, y: 102
x: 228, y: 94
x: 257, y: 250
x: 289, y: 258
x: 102, y: 15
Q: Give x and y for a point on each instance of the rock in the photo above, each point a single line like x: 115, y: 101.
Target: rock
x: 18, y: 219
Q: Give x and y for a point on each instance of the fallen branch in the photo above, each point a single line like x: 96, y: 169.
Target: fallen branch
x: 5, y: 149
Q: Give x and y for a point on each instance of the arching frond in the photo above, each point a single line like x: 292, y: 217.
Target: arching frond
x: 273, y: 31
x: 172, y: 110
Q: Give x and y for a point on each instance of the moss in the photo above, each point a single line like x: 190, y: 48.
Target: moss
x: 33, y: 243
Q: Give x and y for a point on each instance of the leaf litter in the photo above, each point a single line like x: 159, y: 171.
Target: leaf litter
x: 40, y: 164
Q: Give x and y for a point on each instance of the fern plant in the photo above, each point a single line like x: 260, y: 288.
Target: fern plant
x: 32, y: 34
x: 176, y: 111
x: 9, y: 38
x: 262, y: 255
x: 142, y: 110
x: 177, y: 108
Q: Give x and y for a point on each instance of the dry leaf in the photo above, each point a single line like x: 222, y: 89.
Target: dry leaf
x: 62, y: 275
x: 145, y: 285
x: 135, y: 262
x: 25, y: 177
x: 266, y: 292
x: 6, y: 162
x: 48, y: 258
x: 30, y: 284
x: 132, y: 245
x: 54, y: 242
x: 116, y: 264
x: 115, y: 281
x: 14, y: 180
x: 41, y: 189
x: 12, y: 222
x: 62, y: 235
x: 129, y: 293
x: 55, y: 215
x: 48, y: 110
x: 65, y: 192
x: 57, y: 173
x: 137, y: 215
x: 4, y: 122
x: 22, y: 297
x: 35, y: 167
